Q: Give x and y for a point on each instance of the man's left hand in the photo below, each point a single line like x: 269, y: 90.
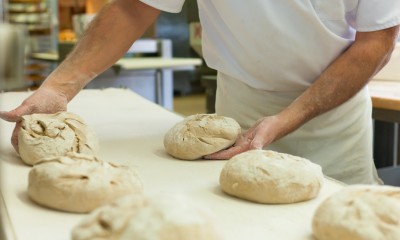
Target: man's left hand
x: 261, y: 134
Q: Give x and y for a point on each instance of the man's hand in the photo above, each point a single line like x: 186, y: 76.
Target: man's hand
x: 262, y: 133
x: 42, y: 101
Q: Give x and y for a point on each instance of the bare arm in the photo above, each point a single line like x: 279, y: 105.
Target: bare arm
x: 108, y: 37
x: 341, y: 80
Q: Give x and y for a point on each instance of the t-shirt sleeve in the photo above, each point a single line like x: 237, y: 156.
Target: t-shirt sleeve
x: 373, y: 15
x: 172, y: 6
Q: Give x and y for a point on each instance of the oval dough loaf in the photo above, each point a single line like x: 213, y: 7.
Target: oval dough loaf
x: 80, y: 183
x: 48, y: 135
x: 159, y: 217
x: 359, y: 212
x: 271, y: 177
x: 199, y: 135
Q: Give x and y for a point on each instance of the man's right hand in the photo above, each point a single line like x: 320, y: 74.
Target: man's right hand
x: 41, y: 101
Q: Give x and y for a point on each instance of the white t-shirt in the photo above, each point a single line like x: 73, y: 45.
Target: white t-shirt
x: 282, y: 45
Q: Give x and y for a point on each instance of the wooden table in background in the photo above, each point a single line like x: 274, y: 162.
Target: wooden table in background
x: 163, y: 92
x: 385, y: 96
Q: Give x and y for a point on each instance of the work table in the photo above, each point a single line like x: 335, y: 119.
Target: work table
x: 160, y: 90
x: 131, y: 131
x: 137, y: 63
x: 385, y: 94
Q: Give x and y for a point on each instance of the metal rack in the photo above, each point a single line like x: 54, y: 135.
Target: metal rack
x: 40, y: 19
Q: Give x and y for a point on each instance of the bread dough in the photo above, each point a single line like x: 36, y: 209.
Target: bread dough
x: 80, y: 183
x: 48, y: 135
x: 270, y: 177
x: 359, y: 212
x: 157, y: 217
x: 201, y: 134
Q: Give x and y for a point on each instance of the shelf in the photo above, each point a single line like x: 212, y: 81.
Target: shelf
x: 27, y: 7
x: 31, y: 13
x: 39, y: 31
x: 28, y: 23
x: 26, y: 1
x: 28, y: 12
x: 35, y: 78
x: 36, y: 17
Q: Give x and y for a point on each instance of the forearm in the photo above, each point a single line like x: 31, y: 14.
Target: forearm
x: 108, y: 37
x: 349, y: 73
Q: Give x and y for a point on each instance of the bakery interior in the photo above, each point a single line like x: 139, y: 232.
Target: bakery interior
x: 170, y: 80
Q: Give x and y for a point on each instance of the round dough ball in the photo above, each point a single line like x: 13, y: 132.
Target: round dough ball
x: 201, y: 134
x: 270, y: 177
x: 80, y: 183
x: 157, y: 217
x: 48, y: 135
x: 359, y: 212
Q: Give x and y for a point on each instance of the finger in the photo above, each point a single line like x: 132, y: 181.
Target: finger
x: 5, y: 116
x: 14, y: 137
x: 16, y: 114
x: 228, y: 153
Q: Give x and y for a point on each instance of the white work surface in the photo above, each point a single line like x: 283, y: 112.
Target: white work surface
x: 163, y: 66
x: 138, y: 63
x: 131, y: 131
x: 158, y: 63
x: 164, y: 79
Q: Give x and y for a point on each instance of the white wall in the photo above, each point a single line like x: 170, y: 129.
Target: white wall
x: 392, y: 69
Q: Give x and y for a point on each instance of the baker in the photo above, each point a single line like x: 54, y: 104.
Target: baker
x: 292, y: 73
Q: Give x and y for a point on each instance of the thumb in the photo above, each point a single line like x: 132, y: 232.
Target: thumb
x: 227, y: 153
x: 16, y: 114
x: 14, y: 138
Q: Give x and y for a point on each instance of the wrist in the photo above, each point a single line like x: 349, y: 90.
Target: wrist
x: 288, y: 121
x: 67, y: 83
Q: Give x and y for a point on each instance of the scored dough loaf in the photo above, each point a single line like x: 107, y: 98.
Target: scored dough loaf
x: 270, y: 177
x: 359, y: 212
x: 199, y: 135
x: 47, y: 135
x: 156, y: 217
x: 80, y: 183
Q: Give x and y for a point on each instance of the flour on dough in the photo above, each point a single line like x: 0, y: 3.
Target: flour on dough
x: 199, y: 135
x: 48, y: 135
x: 156, y: 217
x: 359, y: 212
x: 80, y: 183
x: 271, y: 177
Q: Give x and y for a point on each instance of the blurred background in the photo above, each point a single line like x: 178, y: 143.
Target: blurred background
x: 54, y: 26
